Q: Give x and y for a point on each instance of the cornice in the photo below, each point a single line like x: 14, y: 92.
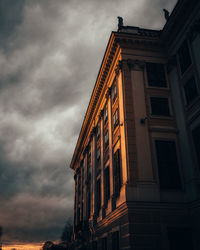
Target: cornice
x: 101, y: 78
x: 137, y: 41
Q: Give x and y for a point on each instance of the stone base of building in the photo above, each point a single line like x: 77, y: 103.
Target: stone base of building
x: 145, y: 226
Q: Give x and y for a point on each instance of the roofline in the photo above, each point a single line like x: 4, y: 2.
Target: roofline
x: 92, y: 96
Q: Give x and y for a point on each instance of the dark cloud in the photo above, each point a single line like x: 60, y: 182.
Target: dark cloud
x: 50, y: 53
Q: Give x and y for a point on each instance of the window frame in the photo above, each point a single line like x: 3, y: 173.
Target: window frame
x: 167, y: 139
x: 165, y: 74
x: 106, y: 142
x: 179, y: 60
x: 188, y: 104
x: 114, y: 92
x: 116, y: 120
x: 106, y: 185
x: 105, y: 114
x: 169, y: 106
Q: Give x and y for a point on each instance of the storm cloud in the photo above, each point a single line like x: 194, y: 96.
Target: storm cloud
x: 50, y: 54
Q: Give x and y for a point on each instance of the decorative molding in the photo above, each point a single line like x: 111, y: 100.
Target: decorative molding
x: 138, y: 42
x: 135, y: 64
x: 118, y: 67
x: 101, y: 114
x: 94, y: 131
x: 108, y: 93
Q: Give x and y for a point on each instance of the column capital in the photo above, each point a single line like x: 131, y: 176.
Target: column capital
x: 135, y: 64
x: 118, y: 67
x: 101, y: 114
x: 94, y: 130
x: 108, y: 93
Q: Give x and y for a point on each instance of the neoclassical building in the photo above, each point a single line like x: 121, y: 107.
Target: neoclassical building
x: 137, y: 158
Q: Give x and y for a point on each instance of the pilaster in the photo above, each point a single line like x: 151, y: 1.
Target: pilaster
x: 93, y: 180
x: 108, y: 96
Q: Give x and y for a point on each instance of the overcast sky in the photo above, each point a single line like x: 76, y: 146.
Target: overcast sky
x: 50, y: 53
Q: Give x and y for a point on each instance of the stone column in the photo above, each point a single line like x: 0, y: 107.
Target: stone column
x: 93, y: 180
x: 102, y: 161
x: 122, y: 122
x: 108, y: 96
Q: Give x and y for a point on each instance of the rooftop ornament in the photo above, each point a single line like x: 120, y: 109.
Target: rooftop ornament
x: 120, y: 22
x: 166, y: 12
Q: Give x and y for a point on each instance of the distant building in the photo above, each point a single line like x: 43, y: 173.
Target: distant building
x: 137, y: 159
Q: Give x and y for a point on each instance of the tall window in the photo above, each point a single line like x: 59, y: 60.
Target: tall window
x: 117, y: 172
x: 114, y: 92
x: 116, y: 118
x: 160, y: 106
x: 82, y: 181
x: 106, y: 139
x: 184, y: 57
x: 98, y: 159
x: 105, y: 113
x: 98, y: 195
x: 180, y: 238
x: 104, y: 243
x: 88, y: 197
x: 98, y: 129
x: 106, y: 185
x: 156, y: 75
x: 196, y: 139
x: 79, y: 186
x: 168, y: 168
x: 190, y: 89
x: 115, y: 240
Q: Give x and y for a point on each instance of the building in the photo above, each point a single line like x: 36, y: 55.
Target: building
x: 137, y: 158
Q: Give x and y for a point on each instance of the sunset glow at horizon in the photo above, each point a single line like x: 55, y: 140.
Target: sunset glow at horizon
x: 23, y: 246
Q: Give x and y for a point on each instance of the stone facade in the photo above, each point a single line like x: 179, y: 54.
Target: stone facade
x: 136, y: 162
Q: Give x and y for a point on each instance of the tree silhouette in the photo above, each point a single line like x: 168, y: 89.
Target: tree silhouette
x: 67, y: 232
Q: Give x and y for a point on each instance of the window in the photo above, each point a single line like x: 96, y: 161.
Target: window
x: 94, y: 245
x: 98, y: 195
x: 190, y: 90
x: 82, y: 180
x: 105, y: 113
x: 180, y: 238
x: 98, y: 159
x: 106, y: 185
x: 106, y: 139
x: 115, y: 240
x: 79, y: 186
x: 78, y: 215
x: 156, y: 75
x: 117, y: 172
x: 88, y: 197
x: 160, y: 106
x: 114, y: 92
x: 184, y: 57
x: 104, y: 243
x: 98, y: 129
x: 168, y: 169
x: 196, y: 140
x: 116, y: 118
